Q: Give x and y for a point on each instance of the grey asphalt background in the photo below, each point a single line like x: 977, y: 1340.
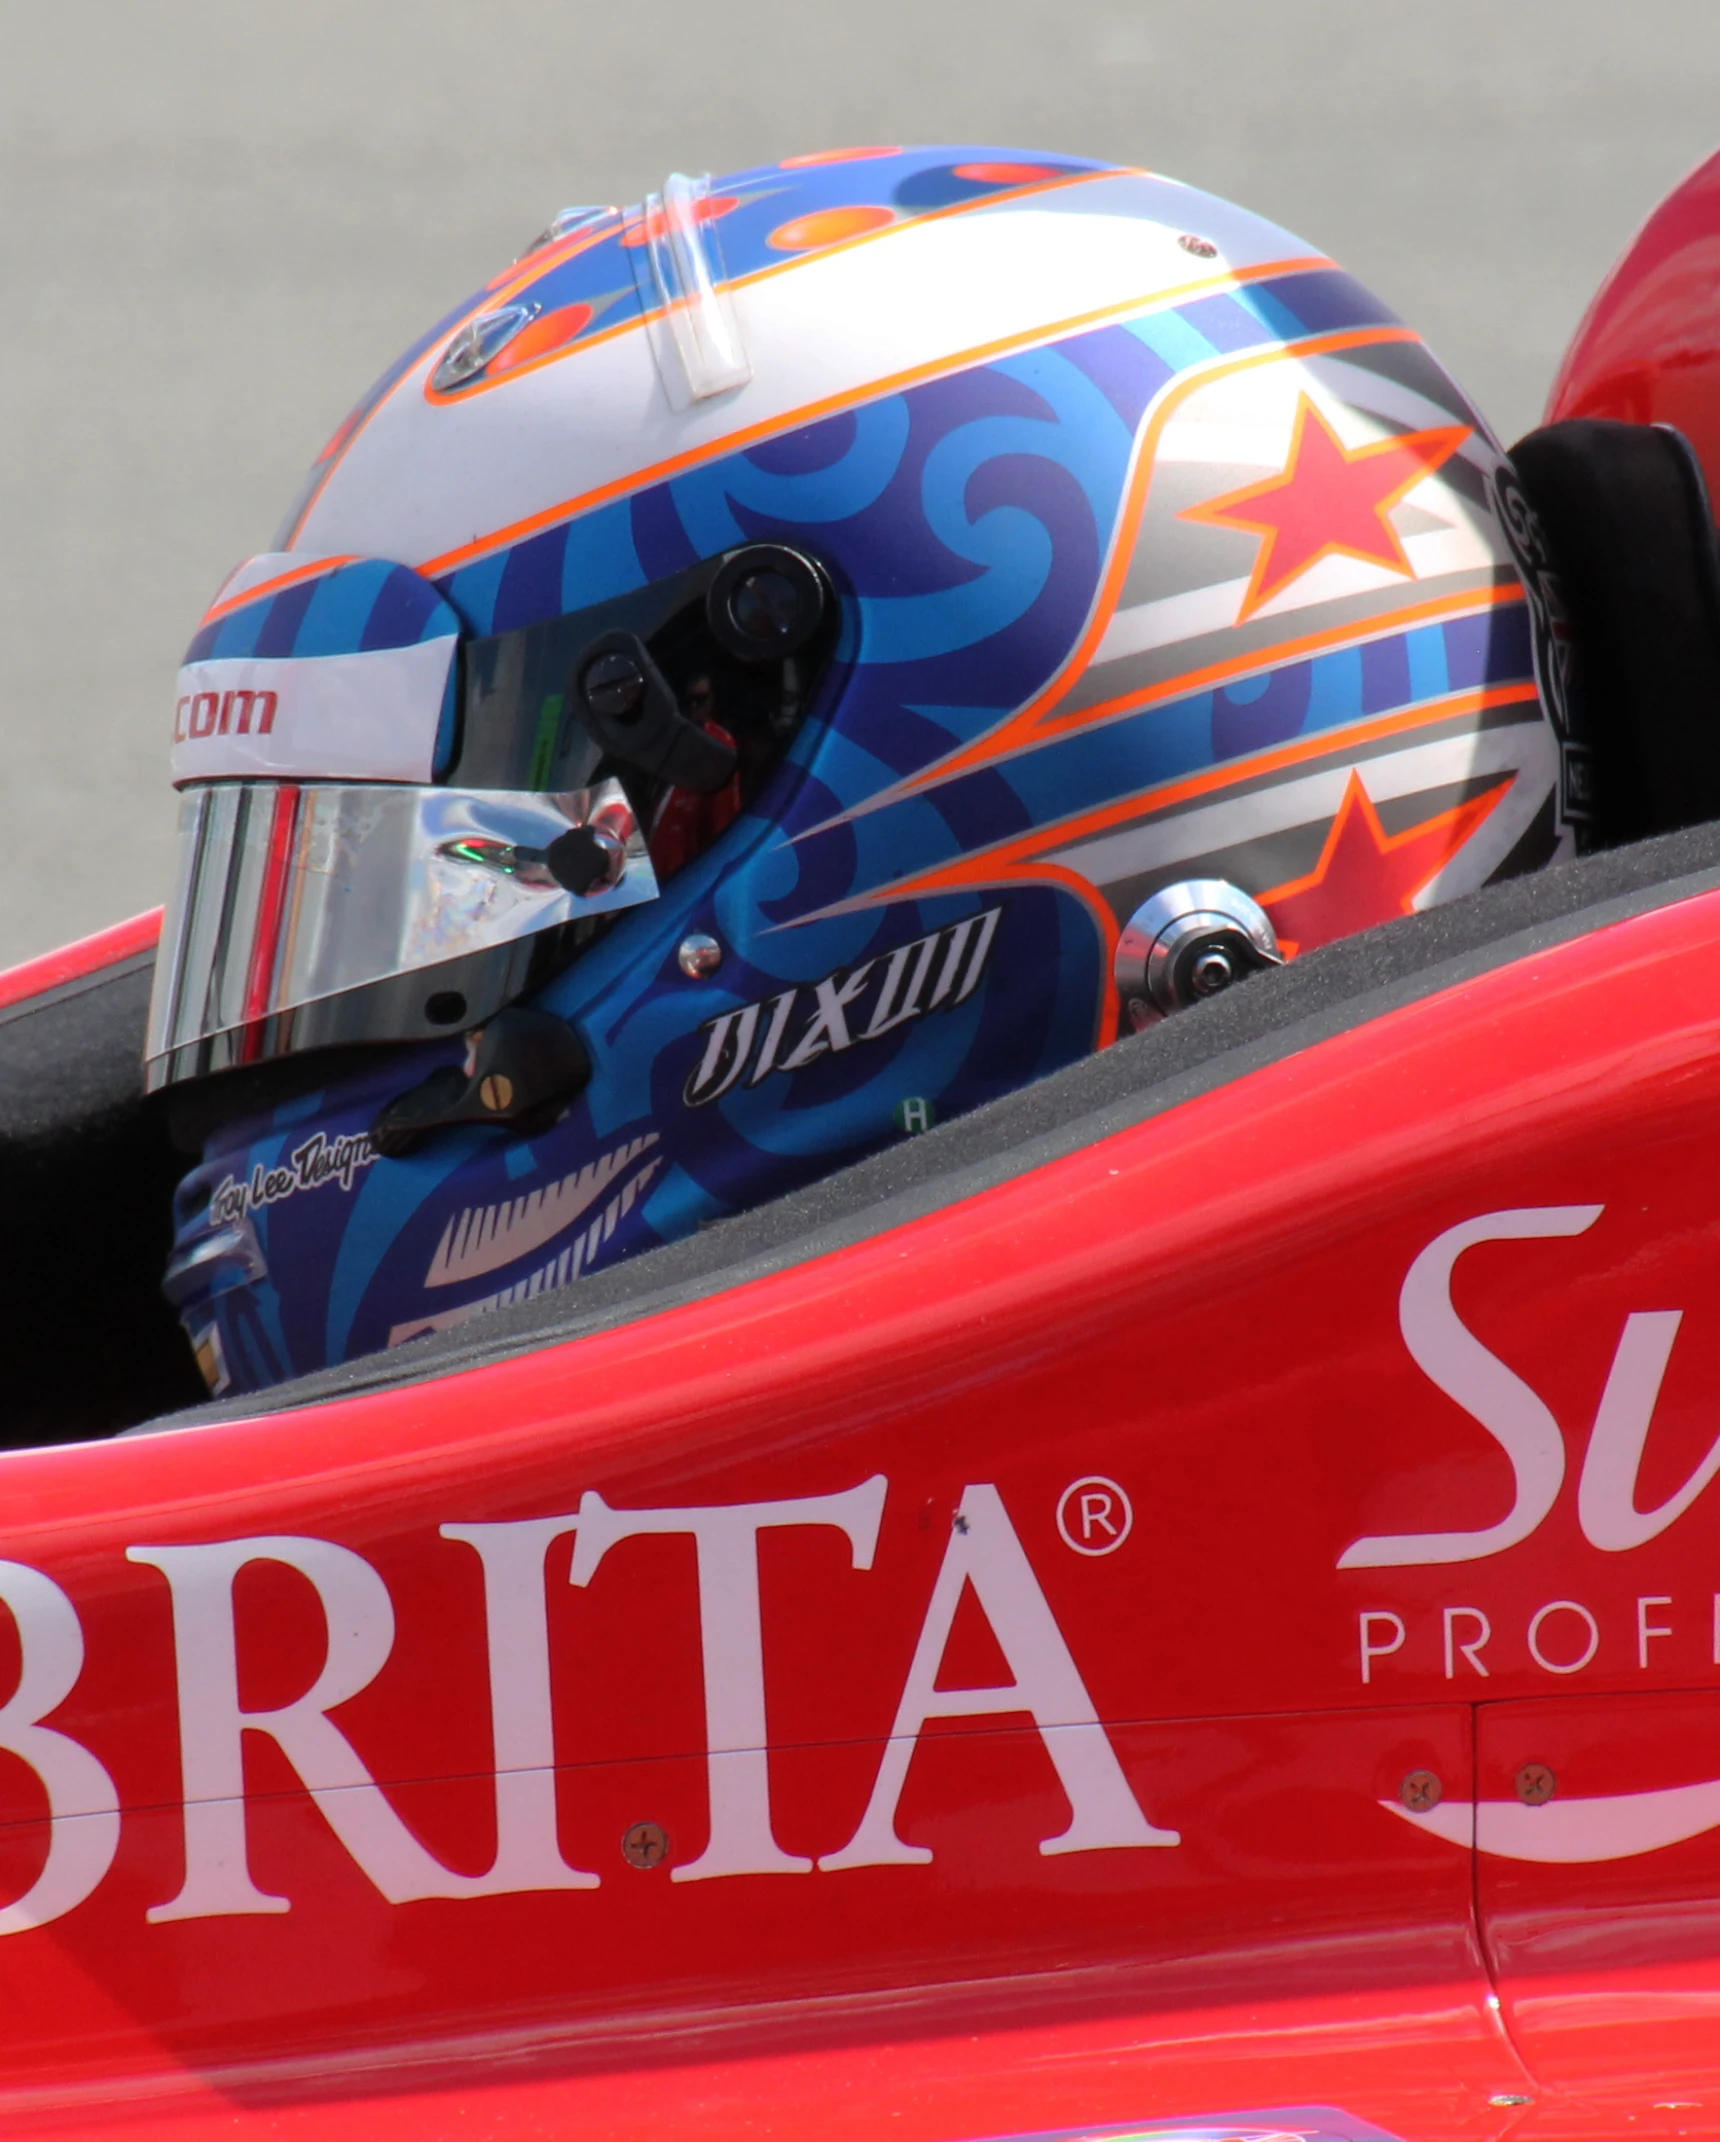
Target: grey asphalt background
x: 220, y: 219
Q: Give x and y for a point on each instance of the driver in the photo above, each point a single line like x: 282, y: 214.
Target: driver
x: 788, y: 662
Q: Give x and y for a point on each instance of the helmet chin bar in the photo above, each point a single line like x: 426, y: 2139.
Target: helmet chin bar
x: 1188, y: 942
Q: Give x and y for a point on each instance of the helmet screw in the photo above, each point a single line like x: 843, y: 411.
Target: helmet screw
x: 766, y: 607
x: 1211, y: 971
x: 614, y: 685
x: 497, y: 1093
x: 698, y: 956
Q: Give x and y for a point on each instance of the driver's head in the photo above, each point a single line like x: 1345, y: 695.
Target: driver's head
x: 785, y: 664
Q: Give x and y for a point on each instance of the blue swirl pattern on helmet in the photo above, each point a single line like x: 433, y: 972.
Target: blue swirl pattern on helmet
x: 968, y: 522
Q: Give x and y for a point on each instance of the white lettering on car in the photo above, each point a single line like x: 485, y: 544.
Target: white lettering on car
x: 357, y: 1614
x: 984, y: 1552
x: 360, y: 1620
x: 83, y: 1805
x: 1518, y: 1419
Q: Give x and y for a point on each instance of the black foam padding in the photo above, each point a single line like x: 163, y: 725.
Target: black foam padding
x: 1627, y: 521
x: 87, y: 1173
x: 72, y: 1057
x: 1263, y: 1020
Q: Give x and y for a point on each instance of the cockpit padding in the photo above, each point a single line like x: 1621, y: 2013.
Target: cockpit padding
x: 87, y: 1345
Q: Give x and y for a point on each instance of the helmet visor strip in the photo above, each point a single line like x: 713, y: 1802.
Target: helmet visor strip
x: 293, y: 896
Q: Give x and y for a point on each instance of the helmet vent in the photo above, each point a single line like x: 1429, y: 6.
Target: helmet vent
x: 697, y: 342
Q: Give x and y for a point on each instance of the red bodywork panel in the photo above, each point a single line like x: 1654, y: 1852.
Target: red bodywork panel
x: 1024, y: 1627
x: 85, y: 956
x: 1648, y: 349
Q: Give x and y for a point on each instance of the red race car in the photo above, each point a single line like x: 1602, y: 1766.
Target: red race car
x: 1182, y: 1604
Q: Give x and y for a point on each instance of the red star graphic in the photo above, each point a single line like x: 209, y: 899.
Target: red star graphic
x: 1330, y: 499
x: 1366, y: 875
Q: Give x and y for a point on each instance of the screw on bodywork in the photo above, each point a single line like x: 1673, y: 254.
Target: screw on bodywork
x: 646, y: 1844
x: 1421, y: 1792
x: 1502, y: 2098
x: 1536, y: 1784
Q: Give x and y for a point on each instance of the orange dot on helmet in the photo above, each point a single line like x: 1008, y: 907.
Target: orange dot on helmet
x: 543, y: 338
x: 644, y: 228
x: 829, y: 226
x: 1005, y: 174
x: 834, y: 156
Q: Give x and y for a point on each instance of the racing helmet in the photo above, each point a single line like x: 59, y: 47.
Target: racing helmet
x: 789, y: 662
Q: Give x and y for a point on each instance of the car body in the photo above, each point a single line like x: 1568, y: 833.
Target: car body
x: 1279, y: 1434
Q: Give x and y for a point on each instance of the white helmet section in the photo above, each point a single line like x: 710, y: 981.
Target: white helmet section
x: 434, y: 480
x: 1224, y: 439
x: 372, y: 714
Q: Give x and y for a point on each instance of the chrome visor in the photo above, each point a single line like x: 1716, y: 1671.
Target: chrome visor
x: 309, y: 915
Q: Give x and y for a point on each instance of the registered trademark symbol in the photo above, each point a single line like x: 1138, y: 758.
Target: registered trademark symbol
x: 1094, y: 1515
